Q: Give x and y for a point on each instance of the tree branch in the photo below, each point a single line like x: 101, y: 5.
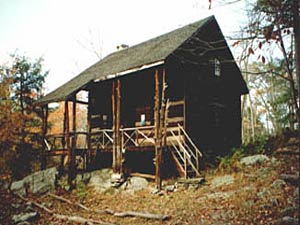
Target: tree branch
x: 76, y: 219
x: 111, y: 212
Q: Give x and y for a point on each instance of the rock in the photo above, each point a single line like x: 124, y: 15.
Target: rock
x: 292, y: 179
x: 24, y: 223
x: 288, y: 211
x: 222, y: 180
x: 37, y: 183
x: 254, y: 159
x: 154, y: 191
x: 136, y: 184
x: 278, y: 184
x: 170, y: 188
x: 84, y: 177
x: 287, y: 220
x: 18, y: 187
x: 101, y: 180
x: 16, y: 219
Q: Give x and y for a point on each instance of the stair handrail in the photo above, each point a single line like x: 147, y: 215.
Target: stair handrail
x: 184, y: 150
x: 177, y: 150
x: 181, y: 146
x: 190, y: 140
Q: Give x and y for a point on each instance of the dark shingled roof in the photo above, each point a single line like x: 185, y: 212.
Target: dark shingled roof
x: 151, y: 51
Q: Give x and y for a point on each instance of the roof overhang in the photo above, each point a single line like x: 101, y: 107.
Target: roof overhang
x: 133, y: 70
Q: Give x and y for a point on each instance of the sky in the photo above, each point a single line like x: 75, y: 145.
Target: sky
x: 67, y: 32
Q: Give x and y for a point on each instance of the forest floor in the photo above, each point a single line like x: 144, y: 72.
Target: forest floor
x: 252, y: 195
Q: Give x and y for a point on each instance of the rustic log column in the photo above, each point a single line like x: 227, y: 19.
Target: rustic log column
x: 72, y: 166
x: 118, y: 125
x: 113, y: 126
x: 45, y: 112
x: 162, y: 132
x: 156, y: 127
x: 68, y: 147
x: 89, y: 131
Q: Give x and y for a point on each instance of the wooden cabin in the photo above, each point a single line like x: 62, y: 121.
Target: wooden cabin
x: 175, y: 97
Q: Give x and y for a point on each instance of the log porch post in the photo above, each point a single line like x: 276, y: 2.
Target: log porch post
x: 113, y: 125
x: 68, y: 147
x: 89, y: 129
x: 72, y: 158
x: 156, y: 128
x: 45, y: 112
x: 118, y: 126
x: 116, y: 109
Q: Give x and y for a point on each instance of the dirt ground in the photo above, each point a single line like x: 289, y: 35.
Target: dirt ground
x: 253, y: 195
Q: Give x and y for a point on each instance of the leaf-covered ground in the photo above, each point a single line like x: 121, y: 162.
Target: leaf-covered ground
x: 256, y: 196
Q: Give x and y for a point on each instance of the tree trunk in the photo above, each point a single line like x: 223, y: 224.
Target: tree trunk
x: 297, y: 50
x: 290, y: 75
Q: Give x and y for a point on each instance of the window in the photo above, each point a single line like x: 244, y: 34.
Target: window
x: 217, y: 67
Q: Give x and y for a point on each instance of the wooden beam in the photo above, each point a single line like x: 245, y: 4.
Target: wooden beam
x: 143, y: 175
x: 118, y: 125
x: 113, y: 125
x: 176, y: 103
x: 68, y: 147
x: 89, y: 123
x: 161, y: 133
x: 45, y: 113
x: 82, y: 102
x: 72, y: 158
x: 63, y: 143
x: 156, y: 133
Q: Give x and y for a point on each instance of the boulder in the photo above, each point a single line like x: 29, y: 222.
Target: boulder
x: 222, y: 180
x: 287, y: 220
x: 22, y: 217
x: 135, y: 184
x: 18, y: 187
x: 37, y: 183
x: 84, y: 177
x: 101, y: 180
x: 254, y: 159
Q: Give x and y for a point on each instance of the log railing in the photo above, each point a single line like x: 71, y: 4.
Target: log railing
x: 137, y: 136
x: 102, y: 139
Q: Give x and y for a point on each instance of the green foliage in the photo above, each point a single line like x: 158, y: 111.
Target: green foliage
x: 21, y: 83
x: 231, y: 162
x: 28, y: 80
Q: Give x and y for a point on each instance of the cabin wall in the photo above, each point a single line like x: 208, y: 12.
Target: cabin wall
x: 213, y: 114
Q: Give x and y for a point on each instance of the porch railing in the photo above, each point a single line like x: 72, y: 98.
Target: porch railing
x: 137, y: 136
x: 102, y: 139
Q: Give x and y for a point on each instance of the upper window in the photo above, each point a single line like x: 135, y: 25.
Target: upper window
x: 217, y: 67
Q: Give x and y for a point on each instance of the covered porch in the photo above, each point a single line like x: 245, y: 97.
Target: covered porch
x: 129, y: 114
